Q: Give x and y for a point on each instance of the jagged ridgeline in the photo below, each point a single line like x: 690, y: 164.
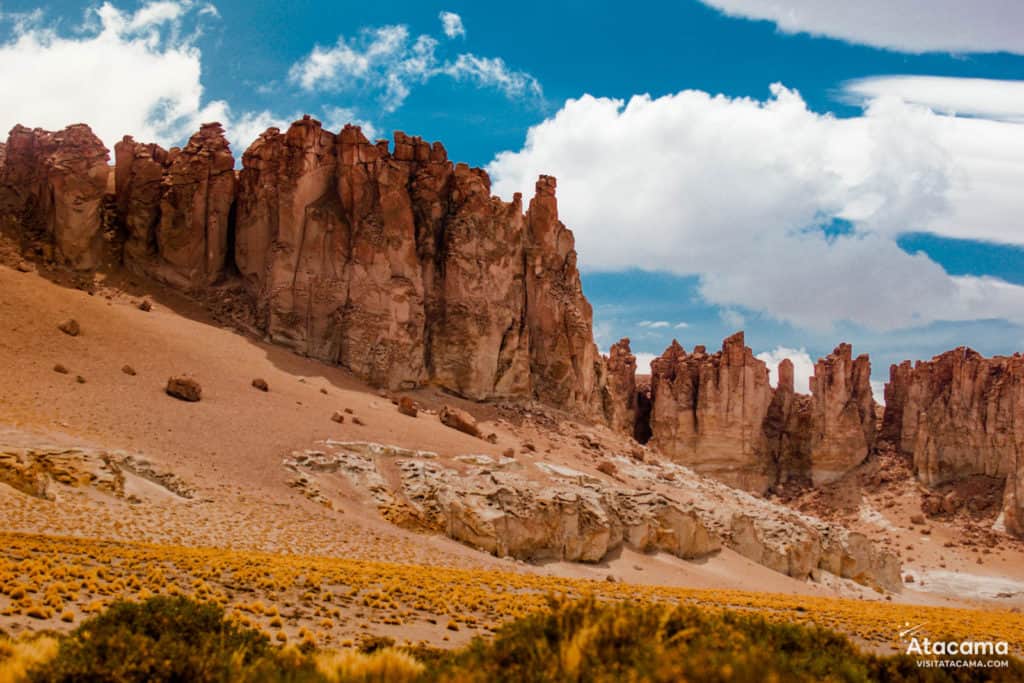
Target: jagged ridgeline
x: 391, y: 261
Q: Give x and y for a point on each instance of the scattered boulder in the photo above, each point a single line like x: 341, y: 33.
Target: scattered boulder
x: 917, y: 519
x: 357, y: 421
x: 261, y: 384
x: 80, y: 379
x: 338, y: 417
x: 128, y: 370
x: 145, y: 306
x: 70, y: 327
x: 607, y: 467
x: 460, y: 420
x: 61, y: 369
x: 184, y: 388
x: 406, y: 406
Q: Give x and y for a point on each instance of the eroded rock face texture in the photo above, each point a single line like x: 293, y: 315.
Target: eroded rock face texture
x: 403, y: 268
x: 842, y: 414
x: 51, y: 193
x: 394, y: 263
x: 708, y: 411
x: 718, y: 414
x: 961, y: 414
x: 622, y: 393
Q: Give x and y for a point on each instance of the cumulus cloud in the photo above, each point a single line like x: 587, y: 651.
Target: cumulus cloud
x: 643, y: 363
x: 155, y: 93
x: 452, y: 24
x: 390, y: 60
x: 803, y: 367
x: 654, y: 324
x: 902, y: 25
x: 740, y: 192
x: 121, y: 72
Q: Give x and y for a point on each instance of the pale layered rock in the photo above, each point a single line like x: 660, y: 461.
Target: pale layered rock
x: 958, y: 415
x: 42, y: 471
x: 500, y: 508
x: 494, y: 508
x: 52, y: 186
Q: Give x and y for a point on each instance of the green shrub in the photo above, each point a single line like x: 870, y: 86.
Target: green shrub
x: 160, y: 639
x: 591, y: 641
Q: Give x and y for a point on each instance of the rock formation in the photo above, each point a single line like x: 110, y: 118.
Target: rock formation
x: 622, y: 393
x: 708, y: 411
x: 51, y: 193
x: 842, y: 414
x: 396, y: 264
x: 543, y: 511
x: 138, y: 178
x: 718, y: 414
x: 195, y: 208
x: 403, y: 268
x: 958, y: 415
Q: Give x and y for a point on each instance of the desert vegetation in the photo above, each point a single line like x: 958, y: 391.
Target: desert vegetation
x: 57, y: 583
x: 176, y: 638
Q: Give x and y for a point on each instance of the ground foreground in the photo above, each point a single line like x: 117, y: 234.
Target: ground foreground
x: 171, y: 639
x: 322, y: 600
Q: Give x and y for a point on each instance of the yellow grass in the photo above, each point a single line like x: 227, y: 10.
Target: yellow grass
x: 260, y: 586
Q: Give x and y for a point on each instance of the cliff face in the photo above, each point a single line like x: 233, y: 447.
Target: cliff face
x: 842, y: 414
x: 718, y: 414
x: 708, y: 410
x: 51, y: 193
x: 396, y: 264
x: 961, y: 414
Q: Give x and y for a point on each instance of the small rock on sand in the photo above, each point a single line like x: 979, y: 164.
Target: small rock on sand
x: 184, y: 388
x: 261, y: 384
x: 70, y: 327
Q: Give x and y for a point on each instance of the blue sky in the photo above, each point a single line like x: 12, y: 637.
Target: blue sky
x: 709, y: 205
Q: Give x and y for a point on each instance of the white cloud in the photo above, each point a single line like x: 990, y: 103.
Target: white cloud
x: 493, y: 72
x: 681, y: 325
x: 654, y: 324
x: 911, y: 26
x: 643, y: 363
x: 985, y: 97
x: 121, y: 72
x: 155, y: 91
x: 389, y: 60
x: 803, y: 367
x: 452, y: 24
x: 878, y: 391
x: 737, y: 190
x: 335, y: 119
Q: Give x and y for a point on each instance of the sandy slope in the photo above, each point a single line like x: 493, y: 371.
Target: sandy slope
x: 230, y: 445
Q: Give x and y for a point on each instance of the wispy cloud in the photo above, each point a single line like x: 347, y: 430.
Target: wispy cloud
x: 390, y: 60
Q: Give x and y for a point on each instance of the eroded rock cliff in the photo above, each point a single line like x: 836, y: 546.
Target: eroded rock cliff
x: 51, y: 193
x: 718, y: 414
x: 959, y: 415
x: 395, y: 263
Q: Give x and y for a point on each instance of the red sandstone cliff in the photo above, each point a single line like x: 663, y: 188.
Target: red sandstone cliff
x: 718, y: 414
x: 396, y: 264
x: 51, y: 192
x: 958, y: 415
